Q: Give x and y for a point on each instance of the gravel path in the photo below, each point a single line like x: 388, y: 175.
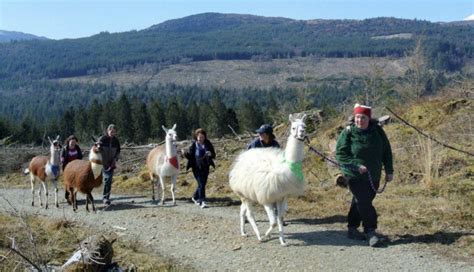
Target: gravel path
x: 209, y: 239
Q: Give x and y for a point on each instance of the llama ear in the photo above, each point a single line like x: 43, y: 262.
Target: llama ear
x: 303, y: 119
x: 57, y: 138
x: 292, y: 119
x: 93, y: 139
x: 165, y: 129
x: 174, y: 127
x: 49, y: 139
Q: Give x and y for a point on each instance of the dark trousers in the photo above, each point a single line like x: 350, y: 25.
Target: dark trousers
x: 107, y: 179
x: 201, y: 177
x: 362, y: 209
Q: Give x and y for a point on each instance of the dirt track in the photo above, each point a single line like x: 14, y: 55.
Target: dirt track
x: 209, y: 239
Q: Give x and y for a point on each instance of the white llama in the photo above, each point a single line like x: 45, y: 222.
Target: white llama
x: 268, y: 176
x: 162, y: 161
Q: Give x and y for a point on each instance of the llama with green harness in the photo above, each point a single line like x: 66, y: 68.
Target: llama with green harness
x: 268, y: 176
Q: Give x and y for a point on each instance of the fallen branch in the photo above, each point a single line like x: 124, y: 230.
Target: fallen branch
x: 14, y: 250
x: 233, y: 131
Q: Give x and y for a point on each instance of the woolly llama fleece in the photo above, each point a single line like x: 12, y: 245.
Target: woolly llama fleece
x: 268, y: 176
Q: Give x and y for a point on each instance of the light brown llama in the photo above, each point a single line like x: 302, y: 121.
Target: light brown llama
x: 45, y: 168
x: 162, y: 161
x: 83, y: 176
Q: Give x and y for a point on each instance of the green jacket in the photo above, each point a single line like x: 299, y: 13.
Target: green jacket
x: 368, y: 147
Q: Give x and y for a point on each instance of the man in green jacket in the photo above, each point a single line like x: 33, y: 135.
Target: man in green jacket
x: 362, y: 149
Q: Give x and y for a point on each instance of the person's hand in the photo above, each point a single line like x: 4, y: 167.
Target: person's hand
x: 388, y: 177
x: 362, y: 169
x: 208, y: 153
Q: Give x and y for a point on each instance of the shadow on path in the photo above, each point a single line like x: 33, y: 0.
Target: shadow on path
x: 440, y: 237
x: 324, y: 238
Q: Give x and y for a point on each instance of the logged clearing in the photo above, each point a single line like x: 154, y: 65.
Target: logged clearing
x: 242, y: 74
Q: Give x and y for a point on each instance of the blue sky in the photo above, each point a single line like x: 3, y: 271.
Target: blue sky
x: 58, y: 19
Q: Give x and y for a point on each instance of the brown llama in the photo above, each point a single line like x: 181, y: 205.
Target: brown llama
x: 83, y: 176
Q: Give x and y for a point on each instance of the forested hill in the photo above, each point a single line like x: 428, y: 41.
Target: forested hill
x: 211, y: 36
x: 8, y: 36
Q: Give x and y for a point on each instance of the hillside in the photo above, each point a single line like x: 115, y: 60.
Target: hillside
x: 214, y: 36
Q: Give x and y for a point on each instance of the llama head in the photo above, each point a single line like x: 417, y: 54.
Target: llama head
x: 298, y: 127
x: 95, y: 149
x: 171, y: 133
x: 55, y: 150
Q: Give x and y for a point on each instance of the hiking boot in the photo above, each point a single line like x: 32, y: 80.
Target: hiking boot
x: 203, y: 205
x: 106, y: 202
x: 374, y: 240
x: 355, y: 234
x: 195, y: 201
x: 341, y: 181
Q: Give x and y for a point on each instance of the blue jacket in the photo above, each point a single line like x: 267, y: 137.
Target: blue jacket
x: 257, y: 143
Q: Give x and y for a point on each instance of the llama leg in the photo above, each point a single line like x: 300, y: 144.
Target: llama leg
x: 55, y: 184
x: 32, y: 181
x: 87, y: 202
x: 74, y: 200
x: 281, y: 206
x: 91, y: 199
x: 173, y: 186
x: 45, y: 187
x: 243, y: 212
x: 153, y: 184
x: 40, y: 189
x: 271, y: 218
x: 252, y: 221
x: 68, y: 195
x: 162, y: 184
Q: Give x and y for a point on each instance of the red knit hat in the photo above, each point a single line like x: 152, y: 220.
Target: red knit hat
x: 362, y: 109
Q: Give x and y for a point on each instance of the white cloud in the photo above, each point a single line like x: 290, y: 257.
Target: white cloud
x: 469, y: 18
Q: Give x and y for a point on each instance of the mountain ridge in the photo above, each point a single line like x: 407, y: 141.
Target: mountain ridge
x: 9, y: 36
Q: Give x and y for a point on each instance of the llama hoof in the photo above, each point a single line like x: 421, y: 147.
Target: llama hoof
x: 32, y: 204
x: 243, y: 234
x: 162, y: 203
x: 283, y: 243
x: 57, y: 205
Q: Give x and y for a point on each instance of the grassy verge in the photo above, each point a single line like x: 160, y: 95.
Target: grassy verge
x: 46, y: 241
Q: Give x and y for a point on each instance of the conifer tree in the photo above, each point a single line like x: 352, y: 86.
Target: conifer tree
x: 141, y: 122
x: 67, y: 123
x: 157, y: 119
x: 94, y: 125
x: 250, y: 116
x: 124, y: 119
x: 175, y: 114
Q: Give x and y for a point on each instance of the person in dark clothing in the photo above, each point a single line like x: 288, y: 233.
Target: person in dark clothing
x: 364, y: 146
x: 110, y: 150
x: 200, y: 155
x: 71, y: 151
x: 266, y: 138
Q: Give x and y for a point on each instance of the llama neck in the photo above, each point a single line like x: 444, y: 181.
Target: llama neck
x: 294, y: 150
x: 54, y: 159
x: 96, y: 163
x: 170, y: 148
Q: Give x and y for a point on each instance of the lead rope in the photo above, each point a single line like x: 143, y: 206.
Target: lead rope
x: 351, y: 167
